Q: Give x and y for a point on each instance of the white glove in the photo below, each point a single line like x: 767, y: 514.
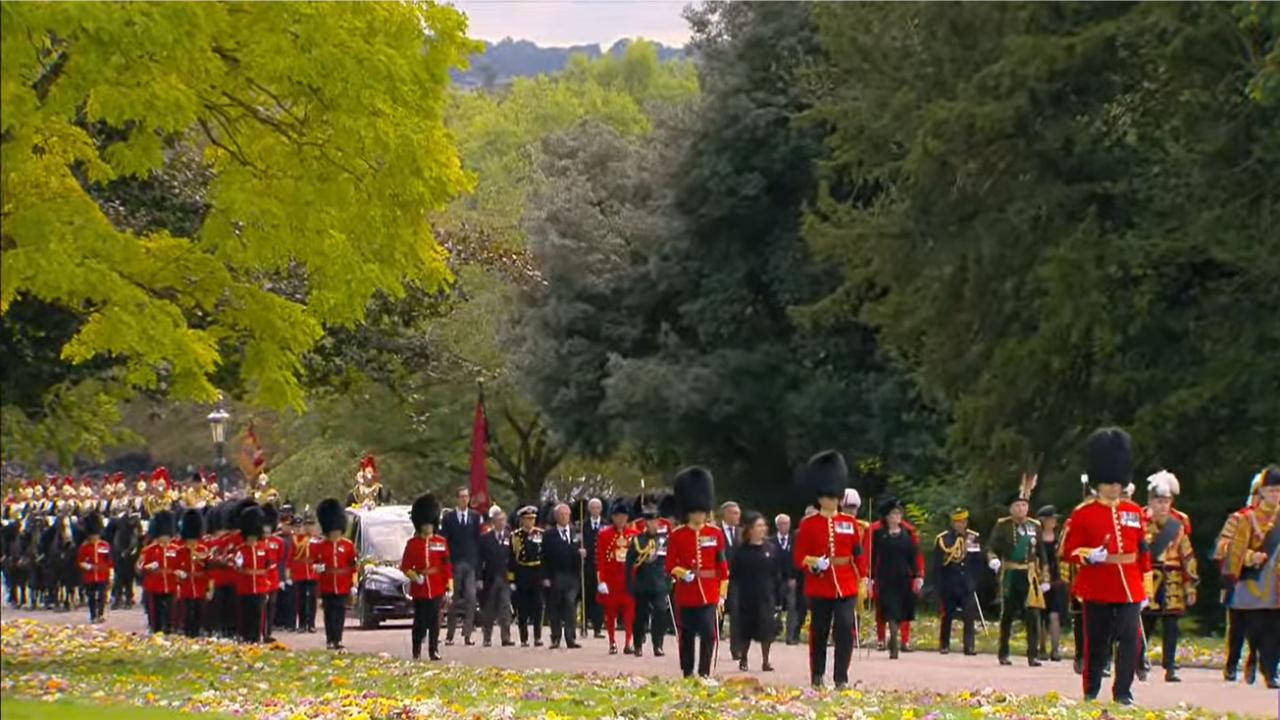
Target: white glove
x: 823, y: 563
x: 871, y: 586
x: 239, y: 561
x: 448, y: 595
x: 1044, y: 587
x: 283, y: 584
x: 513, y: 587
x: 318, y: 567
x: 288, y: 582
x: 1097, y: 555
x: 994, y: 564
x: 155, y: 565
x: 688, y: 576
x: 603, y: 588
x: 1143, y: 605
x: 86, y: 566
x: 182, y: 575
x: 917, y: 584
x: 419, y: 579
x: 354, y: 591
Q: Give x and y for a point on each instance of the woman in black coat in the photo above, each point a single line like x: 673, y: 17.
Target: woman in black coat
x: 755, y: 574
x: 894, y: 551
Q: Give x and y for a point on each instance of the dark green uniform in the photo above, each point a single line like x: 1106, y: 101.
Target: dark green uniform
x: 649, y: 584
x: 1022, y: 571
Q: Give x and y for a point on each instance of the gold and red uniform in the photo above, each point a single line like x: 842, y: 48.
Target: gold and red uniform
x: 256, y: 568
x: 1125, y: 575
x: 94, y: 560
x: 157, y: 564
x: 336, y: 566
x: 428, y: 559
x: 700, y: 552
x: 838, y: 538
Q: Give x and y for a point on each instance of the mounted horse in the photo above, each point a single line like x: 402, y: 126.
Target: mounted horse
x: 124, y: 533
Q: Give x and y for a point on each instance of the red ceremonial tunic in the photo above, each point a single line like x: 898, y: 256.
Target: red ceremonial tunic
x: 224, y: 572
x: 428, y: 557
x: 638, y: 526
x: 611, y: 558
x: 837, y: 538
x: 191, y: 560
x: 94, y: 561
x: 276, y: 545
x: 702, y: 552
x: 335, y: 565
x: 256, y: 569
x: 1121, y: 529
x: 303, y: 558
x: 159, y: 580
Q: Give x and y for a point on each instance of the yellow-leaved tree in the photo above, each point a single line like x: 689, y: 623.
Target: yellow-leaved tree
x: 321, y: 128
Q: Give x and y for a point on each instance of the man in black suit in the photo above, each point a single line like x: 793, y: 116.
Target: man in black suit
x: 591, y: 527
x: 730, y: 515
x: 494, y: 587
x: 792, y: 599
x: 562, y: 561
x: 461, y: 529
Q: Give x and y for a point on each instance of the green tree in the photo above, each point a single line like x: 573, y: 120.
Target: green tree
x: 1064, y: 216
x: 325, y: 146
x: 673, y: 262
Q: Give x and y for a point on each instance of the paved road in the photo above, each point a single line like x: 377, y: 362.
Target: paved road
x: 914, y: 671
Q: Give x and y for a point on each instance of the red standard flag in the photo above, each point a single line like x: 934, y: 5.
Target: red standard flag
x: 479, y: 475
x: 251, y: 456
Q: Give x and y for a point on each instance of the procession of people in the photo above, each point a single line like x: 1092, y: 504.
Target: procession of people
x: 636, y: 571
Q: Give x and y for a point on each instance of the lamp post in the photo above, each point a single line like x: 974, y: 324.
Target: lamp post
x: 218, y: 427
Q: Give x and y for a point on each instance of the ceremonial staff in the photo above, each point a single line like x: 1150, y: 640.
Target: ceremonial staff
x: 582, y: 566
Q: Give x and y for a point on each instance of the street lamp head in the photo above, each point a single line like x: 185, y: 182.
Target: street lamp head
x: 218, y: 425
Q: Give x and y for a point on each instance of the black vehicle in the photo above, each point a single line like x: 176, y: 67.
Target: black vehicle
x: 379, y: 535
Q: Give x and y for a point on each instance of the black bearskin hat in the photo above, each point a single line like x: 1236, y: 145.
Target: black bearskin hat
x: 826, y: 475
x: 92, y: 524
x: 887, y: 505
x: 667, y: 506
x: 238, y: 509
x: 1106, y: 457
x: 425, y: 511
x: 695, y: 491
x: 192, y: 525
x: 271, y: 516
x: 1270, y: 476
x: 622, y: 506
x: 252, y: 521
x: 212, y: 518
x: 331, y: 516
x: 646, y: 499
x: 161, y: 525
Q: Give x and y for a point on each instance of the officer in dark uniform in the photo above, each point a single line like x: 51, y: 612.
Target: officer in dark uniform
x: 527, y: 572
x: 957, y: 560
x: 648, y: 583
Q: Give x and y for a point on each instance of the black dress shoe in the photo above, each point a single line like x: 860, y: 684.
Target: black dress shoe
x: 1273, y: 682
x: 659, y: 652
x: 525, y: 643
x: 1005, y: 661
x: 944, y: 650
x: 434, y: 655
x: 626, y: 650
x: 817, y: 682
x: 598, y: 635
x: 1231, y: 674
x: 1250, y: 672
x: 907, y: 647
x: 1124, y: 700
x: 469, y: 642
x: 1171, y: 676
x: 1034, y: 662
x: 511, y: 643
x: 638, y: 652
x: 572, y: 645
x: 537, y: 643
x: 842, y: 686
x: 448, y: 642
x: 766, y: 668
x: 613, y: 649
x: 488, y: 643
x: 742, y: 665
x: 554, y: 645
x: 970, y: 652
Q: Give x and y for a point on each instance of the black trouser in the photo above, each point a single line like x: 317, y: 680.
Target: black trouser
x: 562, y: 608
x: 796, y: 606
x: 426, y: 624
x: 1077, y: 632
x: 595, y: 611
x: 191, y: 608
x: 1102, y: 622
x: 826, y: 612
x: 161, y: 605
x: 1264, y: 634
x: 305, y: 602
x: 286, y: 615
x: 335, y: 617
x: 697, y: 623
x: 268, y: 613
x: 967, y: 616
x: 1168, y: 627
x: 529, y: 609
x: 1030, y: 620
x: 226, y: 611
x: 97, y: 599
x: 251, y: 614
x: 651, y: 617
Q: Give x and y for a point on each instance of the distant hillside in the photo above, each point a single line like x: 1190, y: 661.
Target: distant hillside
x: 516, y: 58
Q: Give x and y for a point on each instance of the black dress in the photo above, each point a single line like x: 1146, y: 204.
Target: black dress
x: 754, y: 574
x: 894, y: 573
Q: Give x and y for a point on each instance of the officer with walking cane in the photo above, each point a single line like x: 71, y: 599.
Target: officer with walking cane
x: 957, y: 562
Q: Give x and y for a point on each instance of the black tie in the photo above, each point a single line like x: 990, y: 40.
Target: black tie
x: 462, y: 515
x: 564, y: 533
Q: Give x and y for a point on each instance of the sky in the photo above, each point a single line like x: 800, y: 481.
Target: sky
x: 578, y: 22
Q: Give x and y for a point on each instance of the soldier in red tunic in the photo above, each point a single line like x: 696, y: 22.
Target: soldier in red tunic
x: 157, y: 564
x: 426, y: 563
x: 255, y: 561
x: 696, y: 562
x: 193, y: 582
x: 94, y: 560
x: 1106, y: 540
x: 829, y: 549
x: 336, y: 567
x: 611, y: 570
